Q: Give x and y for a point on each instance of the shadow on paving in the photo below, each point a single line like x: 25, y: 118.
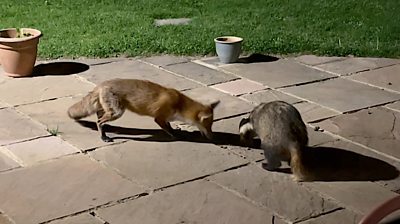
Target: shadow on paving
x: 59, y: 68
x: 324, y: 163
x: 335, y: 164
x: 254, y: 58
x: 159, y: 135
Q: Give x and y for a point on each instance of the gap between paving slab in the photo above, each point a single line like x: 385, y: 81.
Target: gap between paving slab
x: 353, y: 65
x: 61, y: 179
x: 202, y: 202
x: 355, y: 143
x: 41, y: 149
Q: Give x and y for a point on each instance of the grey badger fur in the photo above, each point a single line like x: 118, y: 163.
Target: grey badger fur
x: 283, y: 136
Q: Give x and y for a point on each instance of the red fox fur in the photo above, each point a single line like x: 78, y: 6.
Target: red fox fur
x: 110, y: 99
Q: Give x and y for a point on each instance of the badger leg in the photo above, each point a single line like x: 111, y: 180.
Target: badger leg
x: 272, y: 156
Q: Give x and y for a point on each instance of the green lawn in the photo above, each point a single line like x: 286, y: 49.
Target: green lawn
x: 102, y: 28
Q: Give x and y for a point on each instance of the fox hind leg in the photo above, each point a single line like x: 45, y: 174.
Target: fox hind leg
x: 100, y: 128
x: 112, y: 110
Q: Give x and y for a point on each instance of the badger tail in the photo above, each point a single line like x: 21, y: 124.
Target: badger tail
x: 298, y: 163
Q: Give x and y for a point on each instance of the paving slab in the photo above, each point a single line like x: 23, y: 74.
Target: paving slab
x: 383, y: 175
x: 311, y: 112
x: 52, y: 191
x: 342, y: 95
x: 269, y: 95
x: 5, y: 220
x: 3, y: 77
x: 358, y: 196
x: 276, y: 191
x: 59, y: 188
x: 378, y: 128
x: 6, y: 163
x: 214, y: 62
x: 40, y: 149
x: 319, y: 137
x: 387, y: 77
x: 164, y: 60
x: 280, y: 73
x: 84, y: 218
x: 3, y: 105
x: 200, y: 73
x: 39, y: 88
x: 354, y: 65
x: 394, y: 106
x: 239, y: 87
x: 229, y: 105
x: 134, y: 69
x: 340, y: 216
x: 16, y: 127
x: 197, y: 202
x: 84, y: 61
x: 99, y: 61
x: 317, y: 60
x: 211, y: 61
x: 229, y: 131
x: 159, y: 164
x: 53, y: 114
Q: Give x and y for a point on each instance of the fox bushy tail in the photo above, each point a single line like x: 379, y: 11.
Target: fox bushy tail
x: 87, y: 106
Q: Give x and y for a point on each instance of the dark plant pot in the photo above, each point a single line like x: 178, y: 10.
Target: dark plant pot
x: 228, y: 48
x: 18, y: 54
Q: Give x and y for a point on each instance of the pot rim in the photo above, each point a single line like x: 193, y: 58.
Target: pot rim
x: 228, y: 39
x: 35, y: 34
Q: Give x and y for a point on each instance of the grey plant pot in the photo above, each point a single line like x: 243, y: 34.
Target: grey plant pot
x: 228, y: 48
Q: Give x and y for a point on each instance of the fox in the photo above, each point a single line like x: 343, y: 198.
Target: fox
x: 111, y: 98
x: 283, y: 136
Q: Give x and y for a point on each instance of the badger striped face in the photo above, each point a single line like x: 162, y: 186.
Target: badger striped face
x: 245, y: 126
x: 246, y: 131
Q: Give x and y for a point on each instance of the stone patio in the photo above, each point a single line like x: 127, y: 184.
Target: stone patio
x: 54, y: 170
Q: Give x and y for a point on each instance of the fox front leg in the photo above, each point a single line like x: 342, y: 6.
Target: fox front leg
x: 166, y: 126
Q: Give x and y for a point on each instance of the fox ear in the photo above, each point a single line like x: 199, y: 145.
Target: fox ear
x: 203, y: 116
x: 214, y: 104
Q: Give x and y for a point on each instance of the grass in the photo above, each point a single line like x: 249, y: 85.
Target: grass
x: 103, y: 28
x: 53, y: 131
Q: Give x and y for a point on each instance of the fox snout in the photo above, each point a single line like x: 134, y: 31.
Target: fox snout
x: 205, y: 120
x: 205, y: 129
x: 207, y: 133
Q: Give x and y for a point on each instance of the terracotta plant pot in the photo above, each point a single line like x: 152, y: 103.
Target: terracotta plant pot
x: 228, y: 48
x: 18, y: 54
